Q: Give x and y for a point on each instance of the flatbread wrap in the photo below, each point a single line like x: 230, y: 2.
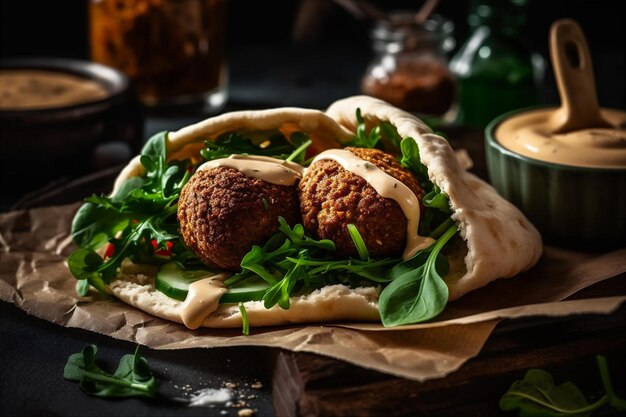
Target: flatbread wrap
x: 289, y: 215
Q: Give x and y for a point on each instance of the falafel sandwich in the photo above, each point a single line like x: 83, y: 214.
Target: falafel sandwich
x: 289, y: 215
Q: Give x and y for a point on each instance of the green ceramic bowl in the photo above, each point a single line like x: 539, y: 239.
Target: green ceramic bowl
x: 570, y: 206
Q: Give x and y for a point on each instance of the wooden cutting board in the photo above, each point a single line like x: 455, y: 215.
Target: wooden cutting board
x: 310, y: 385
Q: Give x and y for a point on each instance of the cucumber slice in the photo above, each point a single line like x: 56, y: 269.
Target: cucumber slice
x: 252, y: 289
x: 174, y: 282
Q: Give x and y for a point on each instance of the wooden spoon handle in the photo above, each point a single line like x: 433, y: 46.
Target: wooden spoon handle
x: 573, y: 71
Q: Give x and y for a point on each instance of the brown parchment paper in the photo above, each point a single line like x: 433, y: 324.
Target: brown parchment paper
x: 33, y: 275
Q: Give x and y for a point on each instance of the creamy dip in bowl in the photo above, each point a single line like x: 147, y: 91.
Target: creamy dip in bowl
x: 571, y: 186
x: 56, y: 113
x: 565, y: 167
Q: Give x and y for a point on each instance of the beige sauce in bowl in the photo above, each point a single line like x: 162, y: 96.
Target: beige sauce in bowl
x: 530, y: 134
x: 39, y: 89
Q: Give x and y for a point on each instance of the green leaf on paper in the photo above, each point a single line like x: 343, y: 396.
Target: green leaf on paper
x: 131, y: 378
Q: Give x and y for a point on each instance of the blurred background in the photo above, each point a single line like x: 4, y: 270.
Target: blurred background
x: 311, y: 52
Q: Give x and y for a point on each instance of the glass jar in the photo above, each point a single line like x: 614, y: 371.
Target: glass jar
x: 410, y: 69
x: 172, y: 50
x: 496, y: 71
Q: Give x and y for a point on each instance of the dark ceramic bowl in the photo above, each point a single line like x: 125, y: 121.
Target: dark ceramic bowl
x: 40, y: 145
x: 571, y: 206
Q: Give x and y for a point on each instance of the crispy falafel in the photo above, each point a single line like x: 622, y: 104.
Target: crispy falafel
x: 332, y: 197
x: 223, y: 213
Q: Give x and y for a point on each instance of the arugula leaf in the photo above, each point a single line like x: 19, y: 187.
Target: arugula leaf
x: 141, y: 212
x: 436, y: 214
x: 358, y: 241
x: 280, y: 292
x: 156, y: 146
x: 390, y: 136
x: 615, y: 401
x: 276, y: 146
x: 372, y: 270
x: 301, y: 141
x: 92, y: 225
x: 244, y: 320
x: 299, y: 240
x: 363, y: 139
x: 132, y: 377
x: 537, y: 395
x: 437, y: 199
x: 384, y: 136
x: 436, y: 202
x: 291, y: 261
x: 128, y: 187
x: 411, y: 160
x: 417, y: 292
x: 84, y: 264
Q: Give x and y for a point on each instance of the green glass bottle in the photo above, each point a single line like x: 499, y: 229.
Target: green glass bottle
x: 495, y: 71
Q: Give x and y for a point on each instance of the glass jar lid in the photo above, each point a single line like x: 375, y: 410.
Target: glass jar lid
x: 401, y: 32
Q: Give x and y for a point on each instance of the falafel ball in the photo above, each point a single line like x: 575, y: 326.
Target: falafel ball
x: 332, y: 197
x: 223, y: 213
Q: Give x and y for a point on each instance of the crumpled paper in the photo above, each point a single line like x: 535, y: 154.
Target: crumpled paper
x: 33, y: 275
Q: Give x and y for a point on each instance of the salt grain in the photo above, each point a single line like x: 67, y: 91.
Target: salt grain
x: 210, y: 396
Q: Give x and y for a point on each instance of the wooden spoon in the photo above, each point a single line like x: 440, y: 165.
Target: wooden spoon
x: 574, y: 76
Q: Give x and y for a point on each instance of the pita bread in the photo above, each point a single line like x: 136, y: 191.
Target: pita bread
x: 497, y: 240
x: 330, y: 303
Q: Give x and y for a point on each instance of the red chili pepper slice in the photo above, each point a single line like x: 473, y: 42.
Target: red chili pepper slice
x: 109, y: 250
x: 162, y: 252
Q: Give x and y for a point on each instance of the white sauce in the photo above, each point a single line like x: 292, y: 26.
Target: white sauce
x: 202, y: 299
x: 388, y: 187
x: 272, y: 170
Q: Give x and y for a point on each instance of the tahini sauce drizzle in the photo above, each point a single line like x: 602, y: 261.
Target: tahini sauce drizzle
x: 202, y: 299
x: 388, y: 187
x: 529, y: 134
x: 272, y: 170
